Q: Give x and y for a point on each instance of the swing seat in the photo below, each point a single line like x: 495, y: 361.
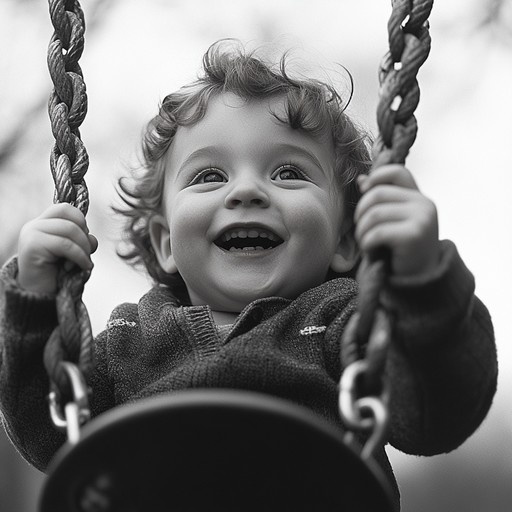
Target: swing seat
x: 212, y: 450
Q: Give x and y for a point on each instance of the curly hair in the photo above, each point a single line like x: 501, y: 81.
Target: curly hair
x: 310, y: 105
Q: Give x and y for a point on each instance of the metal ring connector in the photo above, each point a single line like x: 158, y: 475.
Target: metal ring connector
x: 76, y: 411
x: 348, y: 397
x: 367, y: 413
x: 380, y: 419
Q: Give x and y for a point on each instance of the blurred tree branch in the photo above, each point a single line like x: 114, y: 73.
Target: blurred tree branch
x: 95, y: 14
x: 12, y: 141
x: 495, y: 19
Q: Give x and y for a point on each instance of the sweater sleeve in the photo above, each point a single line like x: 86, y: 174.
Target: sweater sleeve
x: 26, y: 322
x: 442, y: 365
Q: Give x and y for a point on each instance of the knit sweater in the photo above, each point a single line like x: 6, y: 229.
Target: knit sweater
x: 441, y: 366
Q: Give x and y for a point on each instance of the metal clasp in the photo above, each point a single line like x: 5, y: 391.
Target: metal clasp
x: 76, y: 411
x: 367, y: 413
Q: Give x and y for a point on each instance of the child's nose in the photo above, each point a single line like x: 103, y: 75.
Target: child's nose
x: 247, y: 193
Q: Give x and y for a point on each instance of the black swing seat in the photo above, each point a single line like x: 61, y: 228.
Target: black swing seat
x: 212, y: 450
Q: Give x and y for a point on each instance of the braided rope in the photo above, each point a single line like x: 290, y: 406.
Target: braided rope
x: 368, y: 333
x: 67, y: 107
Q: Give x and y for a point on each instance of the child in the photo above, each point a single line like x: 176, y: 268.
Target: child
x: 245, y: 216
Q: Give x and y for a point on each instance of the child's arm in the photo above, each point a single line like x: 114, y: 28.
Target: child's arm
x: 442, y: 364
x: 27, y: 318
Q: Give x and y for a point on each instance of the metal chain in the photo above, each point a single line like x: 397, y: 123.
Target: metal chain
x: 71, y: 341
x: 368, y: 333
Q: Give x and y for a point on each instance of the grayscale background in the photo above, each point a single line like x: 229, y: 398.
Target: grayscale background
x: 138, y: 51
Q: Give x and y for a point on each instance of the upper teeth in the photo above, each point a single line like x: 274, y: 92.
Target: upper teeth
x: 248, y: 233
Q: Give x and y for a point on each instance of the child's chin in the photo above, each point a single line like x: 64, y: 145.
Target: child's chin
x: 244, y: 291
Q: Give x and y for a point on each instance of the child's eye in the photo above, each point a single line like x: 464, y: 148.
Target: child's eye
x: 289, y: 172
x: 210, y: 175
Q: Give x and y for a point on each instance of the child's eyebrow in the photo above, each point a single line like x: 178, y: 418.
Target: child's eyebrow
x: 292, y: 148
x: 207, y: 151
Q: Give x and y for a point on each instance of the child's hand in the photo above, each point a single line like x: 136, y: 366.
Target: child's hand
x: 393, y: 213
x: 60, y: 232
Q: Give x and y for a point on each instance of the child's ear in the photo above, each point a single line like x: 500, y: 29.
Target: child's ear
x: 161, y: 242
x: 347, y: 252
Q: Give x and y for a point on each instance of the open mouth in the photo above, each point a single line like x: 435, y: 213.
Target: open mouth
x: 251, y: 239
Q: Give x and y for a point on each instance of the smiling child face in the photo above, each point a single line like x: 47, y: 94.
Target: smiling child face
x: 250, y: 208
